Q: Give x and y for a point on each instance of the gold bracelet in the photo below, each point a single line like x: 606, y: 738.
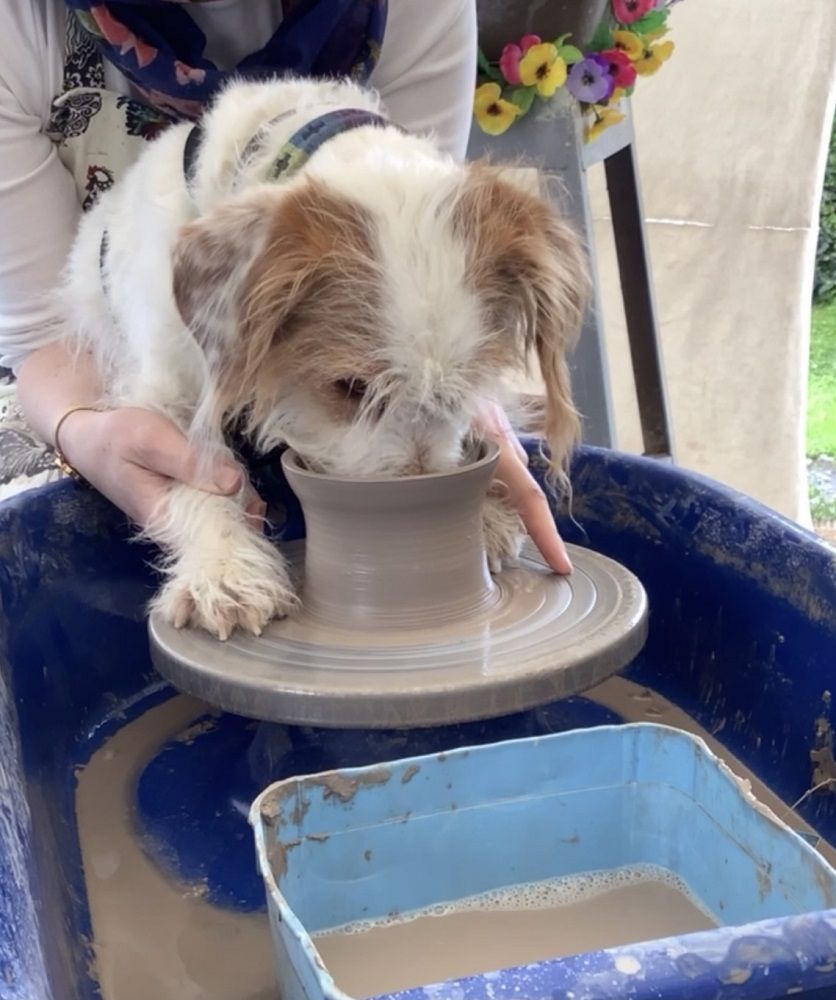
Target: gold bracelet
x: 60, y: 457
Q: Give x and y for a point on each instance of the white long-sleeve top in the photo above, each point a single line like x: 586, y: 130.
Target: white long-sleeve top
x: 425, y: 76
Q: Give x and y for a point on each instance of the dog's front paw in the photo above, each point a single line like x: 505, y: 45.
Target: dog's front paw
x: 504, y: 532
x: 244, y: 590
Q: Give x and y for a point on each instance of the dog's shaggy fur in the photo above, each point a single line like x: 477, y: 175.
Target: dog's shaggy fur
x: 358, y: 312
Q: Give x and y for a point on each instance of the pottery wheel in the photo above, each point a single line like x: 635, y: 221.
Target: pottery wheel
x: 544, y: 638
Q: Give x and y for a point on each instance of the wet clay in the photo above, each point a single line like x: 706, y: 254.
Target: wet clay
x: 515, y: 927
x: 394, y: 553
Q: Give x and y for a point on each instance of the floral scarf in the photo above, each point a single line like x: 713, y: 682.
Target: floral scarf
x: 159, y: 48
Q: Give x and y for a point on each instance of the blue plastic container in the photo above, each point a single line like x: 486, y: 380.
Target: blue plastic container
x: 344, y: 846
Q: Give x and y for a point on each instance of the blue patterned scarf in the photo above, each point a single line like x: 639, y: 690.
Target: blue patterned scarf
x: 159, y: 48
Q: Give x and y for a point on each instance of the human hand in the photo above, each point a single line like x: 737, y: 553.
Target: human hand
x: 133, y: 455
x: 520, y: 489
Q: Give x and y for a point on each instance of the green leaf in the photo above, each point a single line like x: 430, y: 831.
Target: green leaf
x: 487, y: 69
x: 558, y: 42
x: 651, y: 22
x: 569, y: 54
x: 602, y: 39
x: 523, y: 97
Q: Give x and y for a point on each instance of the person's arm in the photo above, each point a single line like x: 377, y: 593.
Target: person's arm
x: 427, y: 68
x: 129, y: 455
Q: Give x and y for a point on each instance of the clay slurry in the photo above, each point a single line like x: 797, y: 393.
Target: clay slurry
x: 513, y: 926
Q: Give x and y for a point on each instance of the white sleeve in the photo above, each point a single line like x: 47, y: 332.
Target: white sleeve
x: 39, y: 208
x: 427, y: 69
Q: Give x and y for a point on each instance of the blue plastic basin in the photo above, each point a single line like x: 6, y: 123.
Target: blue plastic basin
x: 362, y: 844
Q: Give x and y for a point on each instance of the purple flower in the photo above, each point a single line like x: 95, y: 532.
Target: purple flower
x: 590, y: 80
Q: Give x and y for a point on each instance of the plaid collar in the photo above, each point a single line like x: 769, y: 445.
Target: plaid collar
x: 298, y: 149
x: 292, y: 156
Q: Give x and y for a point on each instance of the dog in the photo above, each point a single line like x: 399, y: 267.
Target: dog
x: 299, y: 266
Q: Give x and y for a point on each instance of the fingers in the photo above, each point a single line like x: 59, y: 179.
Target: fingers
x: 160, y: 446
x: 525, y: 495
x: 255, y: 509
x: 164, y: 453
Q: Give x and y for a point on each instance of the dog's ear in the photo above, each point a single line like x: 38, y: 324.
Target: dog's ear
x: 251, y: 278
x: 529, y: 269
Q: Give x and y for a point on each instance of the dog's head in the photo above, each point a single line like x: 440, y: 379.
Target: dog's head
x: 363, y: 329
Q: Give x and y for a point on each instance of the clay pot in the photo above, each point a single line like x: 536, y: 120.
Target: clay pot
x: 503, y: 21
x: 394, y: 553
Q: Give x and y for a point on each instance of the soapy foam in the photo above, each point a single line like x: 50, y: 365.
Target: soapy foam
x: 533, y: 896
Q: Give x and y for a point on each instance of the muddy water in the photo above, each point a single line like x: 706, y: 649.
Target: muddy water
x: 156, y: 939
x: 514, y: 927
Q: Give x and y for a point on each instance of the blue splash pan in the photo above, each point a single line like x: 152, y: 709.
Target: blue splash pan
x: 362, y: 844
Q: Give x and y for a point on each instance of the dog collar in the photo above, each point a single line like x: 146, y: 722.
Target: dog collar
x: 299, y: 148
x: 291, y: 157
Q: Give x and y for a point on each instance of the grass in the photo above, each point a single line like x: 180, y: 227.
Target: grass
x: 821, y: 406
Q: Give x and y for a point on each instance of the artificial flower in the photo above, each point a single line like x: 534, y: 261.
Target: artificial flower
x: 542, y: 67
x: 630, y: 11
x: 622, y: 70
x: 617, y: 95
x: 653, y: 57
x: 590, y: 80
x: 604, y: 118
x: 493, y: 114
x: 629, y: 43
x: 529, y: 41
x: 509, y: 63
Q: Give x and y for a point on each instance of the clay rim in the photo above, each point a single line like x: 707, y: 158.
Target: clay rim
x: 293, y: 462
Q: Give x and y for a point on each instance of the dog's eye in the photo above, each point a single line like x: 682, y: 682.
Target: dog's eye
x: 353, y: 389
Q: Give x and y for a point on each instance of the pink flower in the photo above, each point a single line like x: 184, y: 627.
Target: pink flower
x: 188, y: 74
x: 630, y: 11
x: 622, y: 71
x: 509, y: 61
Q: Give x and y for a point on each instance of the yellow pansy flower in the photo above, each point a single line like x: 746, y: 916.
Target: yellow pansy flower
x: 629, y: 43
x: 494, y: 114
x: 543, y: 68
x: 654, y: 56
x: 604, y: 118
x: 617, y: 94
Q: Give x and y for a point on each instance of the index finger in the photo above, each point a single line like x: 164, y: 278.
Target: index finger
x: 526, y: 497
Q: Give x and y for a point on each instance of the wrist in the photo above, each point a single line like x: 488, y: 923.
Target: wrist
x: 73, y: 436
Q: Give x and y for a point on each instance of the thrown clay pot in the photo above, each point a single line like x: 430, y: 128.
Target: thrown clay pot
x: 395, y: 553
x: 401, y: 625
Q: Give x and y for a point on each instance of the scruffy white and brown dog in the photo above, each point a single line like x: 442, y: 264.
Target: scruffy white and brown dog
x: 330, y: 282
